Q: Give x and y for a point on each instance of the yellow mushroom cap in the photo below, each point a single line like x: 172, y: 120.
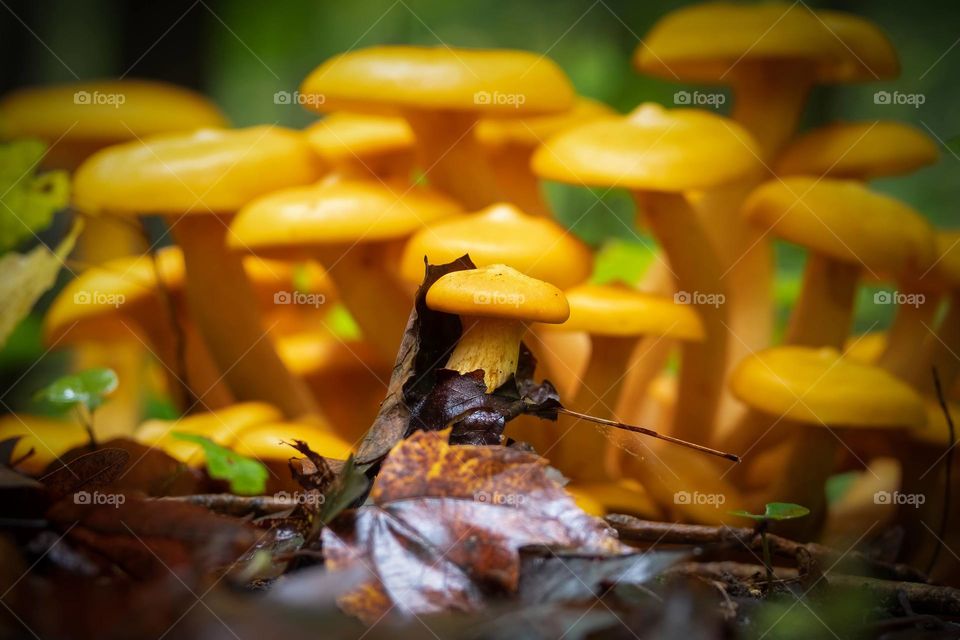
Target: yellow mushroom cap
x: 859, y: 150
x: 716, y: 41
x: 499, y: 82
x: 617, y: 310
x: 587, y: 503
x: 128, y: 285
x: 267, y: 441
x: 221, y: 426
x: 350, y: 136
x: 818, y: 387
x: 498, y: 291
x: 49, y: 438
x: 210, y: 170
x: 872, y: 55
x: 309, y: 352
x: 866, y: 348
x: 936, y: 431
x: 336, y: 212
x: 652, y: 149
x: 501, y: 234
x: 621, y: 496
x: 104, y: 112
x: 532, y: 131
x: 843, y: 219
x: 117, y: 286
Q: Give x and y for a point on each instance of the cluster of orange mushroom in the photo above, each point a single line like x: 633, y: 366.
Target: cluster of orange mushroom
x: 280, y: 307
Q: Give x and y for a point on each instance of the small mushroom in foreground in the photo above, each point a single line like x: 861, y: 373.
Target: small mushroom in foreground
x: 494, y: 303
x: 536, y: 246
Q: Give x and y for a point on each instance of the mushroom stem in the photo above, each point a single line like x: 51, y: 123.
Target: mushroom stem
x: 224, y: 308
x: 193, y: 381
x: 769, y: 100
x: 909, y: 329
x: 943, y: 347
x: 370, y: 291
x: 810, y: 462
x: 452, y: 158
x: 516, y: 182
x: 490, y: 344
x: 747, y: 260
x: 824, y: 311
x: 582, y: 449
x: 106, y: 237
x: 696, y: 265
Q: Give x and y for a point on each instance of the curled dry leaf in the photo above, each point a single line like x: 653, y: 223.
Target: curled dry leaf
x: 422, y: 395
x: 445, y: 525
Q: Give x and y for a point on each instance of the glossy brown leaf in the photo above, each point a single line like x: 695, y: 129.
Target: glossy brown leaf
x: 446, y: 523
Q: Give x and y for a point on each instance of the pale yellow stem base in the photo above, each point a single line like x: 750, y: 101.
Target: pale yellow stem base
x: 489, y: 344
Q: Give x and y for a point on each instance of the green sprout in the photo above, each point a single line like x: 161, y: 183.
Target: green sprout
x: 84, y: 392
x: 773, y: 512
x: 246, y: 477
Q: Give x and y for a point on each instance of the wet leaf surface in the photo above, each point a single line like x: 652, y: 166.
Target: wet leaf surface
x: 445, y: 525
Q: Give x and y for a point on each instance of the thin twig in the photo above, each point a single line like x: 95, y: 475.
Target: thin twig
x: 650, y: 432
x: 948, y: 465
x: 637, y: 530
x: 922, y: 597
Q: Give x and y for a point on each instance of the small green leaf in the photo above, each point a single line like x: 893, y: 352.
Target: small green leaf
x: 246, y: 477
x: 745, y: 514
x: 775, y: 511
x: 785, y: 511
x: 27, y: 201
x: 88, y: 388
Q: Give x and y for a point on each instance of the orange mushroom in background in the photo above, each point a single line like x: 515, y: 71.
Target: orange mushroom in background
x: 661, y: 155
x: 442, y: 93
x: 355, y: 229
x: 198, y: 181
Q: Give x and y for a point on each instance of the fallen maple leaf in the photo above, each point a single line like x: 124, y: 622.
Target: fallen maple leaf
x: 446, y: 523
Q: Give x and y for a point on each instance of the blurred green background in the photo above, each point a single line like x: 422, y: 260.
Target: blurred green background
x: 242, y: 52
